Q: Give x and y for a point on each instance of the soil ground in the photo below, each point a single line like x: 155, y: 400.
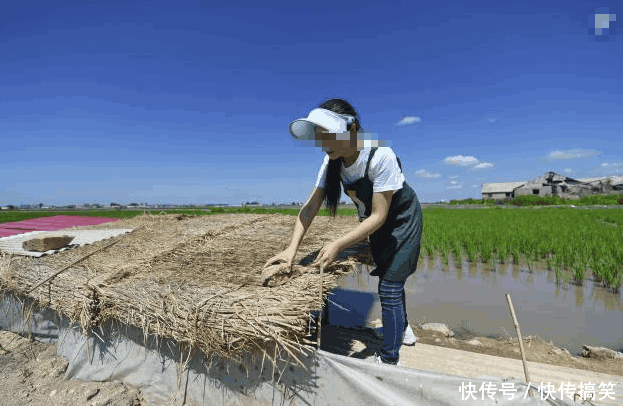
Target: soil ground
x: 32, y: 374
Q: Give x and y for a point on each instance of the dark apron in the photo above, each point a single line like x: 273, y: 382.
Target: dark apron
x: 395, y: 247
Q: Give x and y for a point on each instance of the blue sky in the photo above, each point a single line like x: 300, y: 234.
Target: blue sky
x: 186, y: 102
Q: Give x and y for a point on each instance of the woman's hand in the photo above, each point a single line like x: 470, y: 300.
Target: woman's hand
x: 327, y: 254
x: 286, y: 256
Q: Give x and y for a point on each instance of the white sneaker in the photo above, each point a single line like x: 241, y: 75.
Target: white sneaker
x: 377, y: 360
x: 408, y: 339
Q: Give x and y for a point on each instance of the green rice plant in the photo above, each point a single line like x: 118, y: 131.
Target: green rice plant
x: 493, y: 259
x: 452, y: 246
x: 617, y: 275
x: 444, y: 260
x: 429, y: 250
x: 566, y: 275
x: 565, y: 238
x: 549, y: 261
x: 485, y: 253
x: 531, y: 259
x: 612, y: 275
x: 565, y: 253
x: 458, y: 254
x: 617, y: 254
x: 602, y: 255
x: 470, y: 248
x: 585, y: 258
x: 471, y: 253
x: 425, y: 247
x: 503, y: 250
x: 596, y: 265
x: 578, y: 269
x: 616, y: 285
x: 516, y: 254
x: 445, y: 250
x: 464, y: 245
x: 435, y: 247
x: 542, y: 250
x: 618, y: 279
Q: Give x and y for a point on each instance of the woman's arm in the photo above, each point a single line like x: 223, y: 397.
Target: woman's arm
x: 380, y: 208
x: 306, y: 216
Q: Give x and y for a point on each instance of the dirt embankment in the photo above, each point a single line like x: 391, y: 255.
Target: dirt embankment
x: 32, y: 374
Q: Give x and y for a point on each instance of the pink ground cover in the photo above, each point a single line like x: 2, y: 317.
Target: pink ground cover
x: 49, y: 224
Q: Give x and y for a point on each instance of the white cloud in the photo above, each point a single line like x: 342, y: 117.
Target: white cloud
x: 470, y: 163
x: 612, y: 164
x: 569, y: 154
x: 423, y: 174
x: 452, y: 177
x: 453, y: 184
x: 568, y: 170
x: 474, y: 185
x: 493, y: 120
x: 460, y: 160
x: 409, y: 120
x: 483, y: 166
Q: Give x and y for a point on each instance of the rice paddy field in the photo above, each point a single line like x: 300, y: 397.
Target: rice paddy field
x: 574, y: 242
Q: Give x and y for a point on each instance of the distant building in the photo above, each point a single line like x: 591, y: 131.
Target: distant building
x: 553, y: 184
x: 499, y: 190
x: 251, y: 204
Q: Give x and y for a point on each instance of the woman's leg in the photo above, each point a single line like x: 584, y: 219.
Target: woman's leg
x: 404, y: 299
x: 393, y: 315
x: 404, y: 307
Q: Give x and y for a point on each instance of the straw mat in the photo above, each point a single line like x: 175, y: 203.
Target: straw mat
x: 195, y: 279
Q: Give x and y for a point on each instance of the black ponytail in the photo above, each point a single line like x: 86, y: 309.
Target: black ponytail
x: 333, y: 184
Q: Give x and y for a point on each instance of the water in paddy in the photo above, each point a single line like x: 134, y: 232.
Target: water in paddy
x: 472, y: 299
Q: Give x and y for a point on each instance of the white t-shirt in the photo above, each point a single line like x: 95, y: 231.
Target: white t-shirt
x: 384, y: 171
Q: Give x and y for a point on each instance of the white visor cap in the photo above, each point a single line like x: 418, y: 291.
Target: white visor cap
x: 305, y: 128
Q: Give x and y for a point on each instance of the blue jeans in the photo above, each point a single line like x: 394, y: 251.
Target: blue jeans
x: 394, y: 317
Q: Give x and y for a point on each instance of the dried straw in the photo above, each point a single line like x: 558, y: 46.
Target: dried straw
x: 194, y: 279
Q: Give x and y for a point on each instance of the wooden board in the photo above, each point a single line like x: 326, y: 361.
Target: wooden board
x: 46, y: 243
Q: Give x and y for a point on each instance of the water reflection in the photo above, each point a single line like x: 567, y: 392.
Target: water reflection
x: 579, y: 296
x: 570, y: 315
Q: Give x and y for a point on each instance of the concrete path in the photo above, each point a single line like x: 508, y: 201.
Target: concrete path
x: 471, y: 365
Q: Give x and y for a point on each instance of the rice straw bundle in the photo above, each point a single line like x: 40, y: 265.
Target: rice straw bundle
x: 194, y: 279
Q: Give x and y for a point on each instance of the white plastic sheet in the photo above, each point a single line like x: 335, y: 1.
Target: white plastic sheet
x: 123, y: 353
